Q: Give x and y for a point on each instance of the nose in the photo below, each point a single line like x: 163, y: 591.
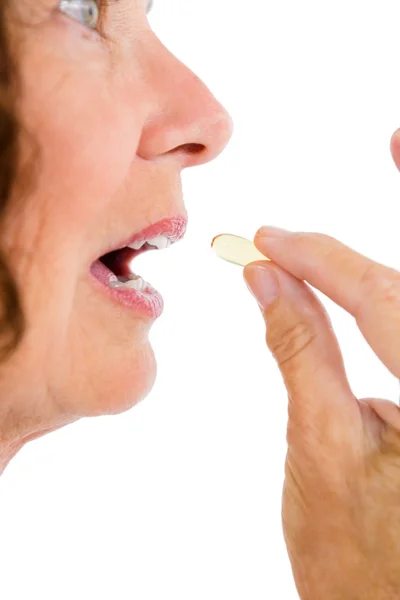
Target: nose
x: 183, y: 117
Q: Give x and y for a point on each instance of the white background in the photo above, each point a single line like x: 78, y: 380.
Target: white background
x: 180, y: 497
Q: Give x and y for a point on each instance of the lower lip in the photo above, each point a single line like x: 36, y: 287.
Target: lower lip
x: 148, y: 304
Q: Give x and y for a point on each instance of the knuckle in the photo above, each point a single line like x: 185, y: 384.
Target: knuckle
x: 307, y: 239
x: 380, y: 283
x: 323, y: 237
x: 288, y: 344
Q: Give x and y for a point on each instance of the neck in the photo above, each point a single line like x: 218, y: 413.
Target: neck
x: 6, y: 454
x: 12, y: 432
x: 27, y: 410
x: 21, y: 423
x: 10, y: 447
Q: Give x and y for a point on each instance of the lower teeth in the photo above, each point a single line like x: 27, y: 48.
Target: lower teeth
x: 134, y: 282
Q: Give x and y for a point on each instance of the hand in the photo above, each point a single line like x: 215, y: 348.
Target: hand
x: 341, y: 501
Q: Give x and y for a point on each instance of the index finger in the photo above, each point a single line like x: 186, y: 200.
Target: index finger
x: 366, y: 289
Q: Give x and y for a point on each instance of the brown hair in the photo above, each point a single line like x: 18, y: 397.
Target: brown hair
x: 11, y: 315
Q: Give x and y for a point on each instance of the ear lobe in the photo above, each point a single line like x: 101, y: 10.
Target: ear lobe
x: 395, y: 148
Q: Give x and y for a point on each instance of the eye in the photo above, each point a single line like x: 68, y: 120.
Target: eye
x: 84, y: 11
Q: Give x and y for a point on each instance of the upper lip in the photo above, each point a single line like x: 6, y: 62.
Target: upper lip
x: 173, y: 228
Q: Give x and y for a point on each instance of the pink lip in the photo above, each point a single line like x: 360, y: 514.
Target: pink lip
x: 148, y: 304
x: 173, y: 228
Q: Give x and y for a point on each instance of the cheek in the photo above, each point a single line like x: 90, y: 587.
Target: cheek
x: 91, y: 158
x: 87, y: 144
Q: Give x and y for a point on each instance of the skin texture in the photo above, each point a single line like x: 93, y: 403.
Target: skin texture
x: 113, y: 120
x: 341, y: 507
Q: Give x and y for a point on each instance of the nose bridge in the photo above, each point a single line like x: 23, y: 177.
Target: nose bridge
x: 182, y: 111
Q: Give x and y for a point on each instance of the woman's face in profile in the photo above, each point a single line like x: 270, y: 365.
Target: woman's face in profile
x: 116, y: 118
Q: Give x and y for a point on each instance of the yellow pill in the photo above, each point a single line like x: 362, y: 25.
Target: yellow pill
x: 236, y: 249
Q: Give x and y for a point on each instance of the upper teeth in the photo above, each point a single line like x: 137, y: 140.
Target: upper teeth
x: 159, y: 242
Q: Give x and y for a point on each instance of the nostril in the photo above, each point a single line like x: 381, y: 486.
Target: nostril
x: 192, y: 148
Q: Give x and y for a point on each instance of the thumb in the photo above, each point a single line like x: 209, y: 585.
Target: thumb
x: 301, y: 338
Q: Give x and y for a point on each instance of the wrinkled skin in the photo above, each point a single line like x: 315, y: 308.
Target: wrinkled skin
x: 115, y: 122
x: 341, y: 500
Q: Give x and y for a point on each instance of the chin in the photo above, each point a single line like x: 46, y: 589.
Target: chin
x: 121, y: 384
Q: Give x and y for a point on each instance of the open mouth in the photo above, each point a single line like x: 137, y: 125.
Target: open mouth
x: 114, y: 269
x: 119, y: 262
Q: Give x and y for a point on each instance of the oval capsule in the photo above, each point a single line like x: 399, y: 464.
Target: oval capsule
x: 236, y: 249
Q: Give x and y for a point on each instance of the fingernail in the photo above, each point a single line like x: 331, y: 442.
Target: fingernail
x: 273, y: 232
x: 262, y: 283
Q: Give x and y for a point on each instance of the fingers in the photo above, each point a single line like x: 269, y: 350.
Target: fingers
x: 395, y: 148
x: 300, y: 336
x: 388, y: 412
x: 381, y: 426
x: 366, y: 289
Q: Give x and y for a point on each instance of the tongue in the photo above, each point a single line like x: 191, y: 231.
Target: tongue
x: 118, y: 262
